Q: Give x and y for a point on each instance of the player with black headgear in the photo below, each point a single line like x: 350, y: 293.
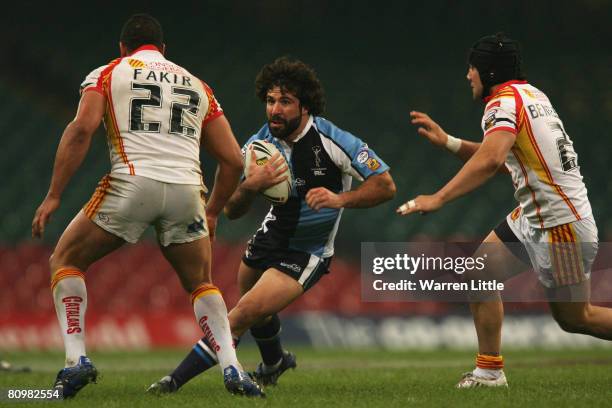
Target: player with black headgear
x: 553, y: 221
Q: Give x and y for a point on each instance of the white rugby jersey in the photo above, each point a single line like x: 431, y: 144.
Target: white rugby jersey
x: 154, y: 116
x: 542, y: 162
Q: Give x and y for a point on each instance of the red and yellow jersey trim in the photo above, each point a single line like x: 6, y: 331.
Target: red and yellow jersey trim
x: 501, y: 129
x: 214, y: 110
x: 503, y: 87
x: 517, y: 154
x: 110, y: 118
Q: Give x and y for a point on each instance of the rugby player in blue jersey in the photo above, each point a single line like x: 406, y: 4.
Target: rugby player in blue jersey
x: 294, y: 246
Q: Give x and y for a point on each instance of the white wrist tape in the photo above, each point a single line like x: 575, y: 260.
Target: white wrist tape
x: 453, y: 144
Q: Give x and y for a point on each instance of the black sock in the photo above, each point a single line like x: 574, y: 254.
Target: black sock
x: 199, y: 359
x: 268, y: 341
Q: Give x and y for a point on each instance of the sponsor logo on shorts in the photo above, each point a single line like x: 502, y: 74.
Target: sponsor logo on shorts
x: 104, y: 218
x: 197, y: 225
x: 294, y: 267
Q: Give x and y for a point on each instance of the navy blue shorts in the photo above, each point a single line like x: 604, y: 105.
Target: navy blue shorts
x: 305, y: 268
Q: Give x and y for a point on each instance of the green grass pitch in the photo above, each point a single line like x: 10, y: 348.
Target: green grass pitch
x: 333, y: 378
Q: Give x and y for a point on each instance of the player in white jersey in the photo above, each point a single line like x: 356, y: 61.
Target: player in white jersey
x: 553, y: 222
x: 156, y: 115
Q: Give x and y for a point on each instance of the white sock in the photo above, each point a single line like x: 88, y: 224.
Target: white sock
x: 492, y: 374
x: 211, y: 314
x: 70, y: 298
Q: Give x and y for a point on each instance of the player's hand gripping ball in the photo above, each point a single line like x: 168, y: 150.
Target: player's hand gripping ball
x: 278, y: 193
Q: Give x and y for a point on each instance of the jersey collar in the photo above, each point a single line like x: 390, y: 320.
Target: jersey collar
x: 302, y: 133
x: 146, y: 47
x: 502, y: 86
x: 305, y: 130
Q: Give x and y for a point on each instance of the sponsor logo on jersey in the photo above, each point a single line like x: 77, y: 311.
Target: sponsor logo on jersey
x: 363, y: 156
x: 489, y: 121
x: 317, y: 151
x: 536, y: 95
x: 134, y: 63
x: 299, y: 182
x: 373, y: 164
x: 317, y: 169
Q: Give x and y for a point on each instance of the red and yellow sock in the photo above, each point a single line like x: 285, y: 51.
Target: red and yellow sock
x: 204, y: 289
x: 70, y: 298
x: 64, y: 273
x: 489, y: 362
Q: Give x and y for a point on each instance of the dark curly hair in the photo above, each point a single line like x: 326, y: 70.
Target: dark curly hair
x: 295, y: 77
x: 141, y: 29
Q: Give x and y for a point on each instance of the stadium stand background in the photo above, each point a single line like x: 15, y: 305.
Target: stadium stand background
x: 376, y: 64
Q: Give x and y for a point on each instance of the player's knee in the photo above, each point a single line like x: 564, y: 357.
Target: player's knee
x: 578, y: 323
x: 192, y: 284
x: 55, y: 261
x: 51, y: 259
x: 248, y: 313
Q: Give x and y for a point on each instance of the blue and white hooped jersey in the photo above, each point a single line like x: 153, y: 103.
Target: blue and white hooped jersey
x: 323, y: 155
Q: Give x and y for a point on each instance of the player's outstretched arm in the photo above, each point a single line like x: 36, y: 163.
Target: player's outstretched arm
x: 259, y: 179
x: 374, y: 190
x: 219, y: 142
x: 475, y: 172
x: 433, y: 132
x: 71, y: 151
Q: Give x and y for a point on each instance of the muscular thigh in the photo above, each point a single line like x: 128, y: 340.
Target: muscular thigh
x: 83, y: 243
x: 191, y: 261
x: 502, y: 261
x: 272, y: 292
x: 247, y: 277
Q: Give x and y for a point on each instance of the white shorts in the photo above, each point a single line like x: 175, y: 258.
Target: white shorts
x: 560, y: 255
x: 127, y: 205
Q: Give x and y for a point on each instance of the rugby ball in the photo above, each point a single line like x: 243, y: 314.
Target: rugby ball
x: 278, y: 193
